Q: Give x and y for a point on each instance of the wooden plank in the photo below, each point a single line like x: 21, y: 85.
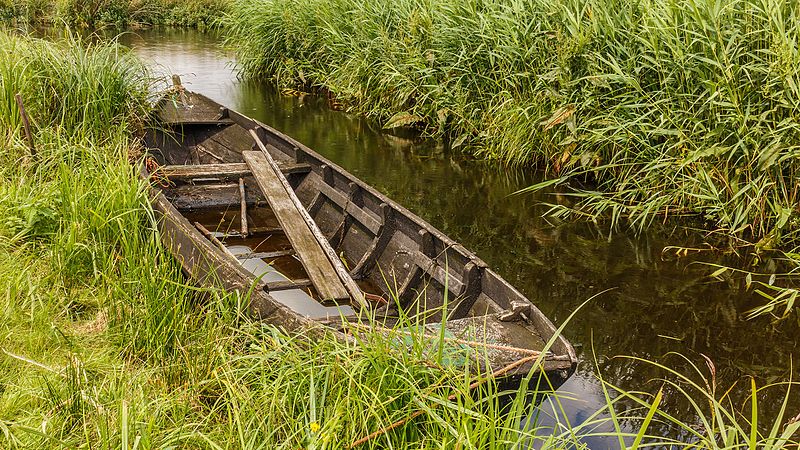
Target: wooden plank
x: 210, y: 236
x: 266, y: 255
x: 228, y: 170
x: 312, y: 256
x: 182, y: 123
x: 286, y: 285
x: 355, y: 292
x: 243, y: 207
x: 382, y: 238
x: 253, y: 232
x: 337, y: 197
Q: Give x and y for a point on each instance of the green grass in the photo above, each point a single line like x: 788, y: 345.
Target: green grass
x: 104, y: 345
x: 644, y: 109
x: 116, y: 13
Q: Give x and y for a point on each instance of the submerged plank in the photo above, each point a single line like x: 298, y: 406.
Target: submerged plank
x: 314, y: 260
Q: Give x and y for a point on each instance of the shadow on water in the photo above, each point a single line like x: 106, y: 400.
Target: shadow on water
x: 658, y: 303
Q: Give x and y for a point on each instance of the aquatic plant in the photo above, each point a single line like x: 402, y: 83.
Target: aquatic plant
x: 644, y: 109
x: 115, y: 13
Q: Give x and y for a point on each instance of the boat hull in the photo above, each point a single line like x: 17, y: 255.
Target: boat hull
x: 423, y: 273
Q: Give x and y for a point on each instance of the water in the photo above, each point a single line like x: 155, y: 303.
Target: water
x: 649, y: 302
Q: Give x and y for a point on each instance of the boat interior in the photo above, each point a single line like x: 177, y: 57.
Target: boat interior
x: 406, y: 268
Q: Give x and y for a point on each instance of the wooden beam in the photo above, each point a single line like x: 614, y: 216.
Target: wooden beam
x: 286, y: 285
x: 312, y: 256
x: 214, y: 239
x: 206, y: 122
x: 243, y: 207
x: 266, y: 255
x: 350, y: 285
x: 343, y: 275
x: 229, y: 170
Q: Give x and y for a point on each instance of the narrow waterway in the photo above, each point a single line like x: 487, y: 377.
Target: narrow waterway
x: 652, y: 302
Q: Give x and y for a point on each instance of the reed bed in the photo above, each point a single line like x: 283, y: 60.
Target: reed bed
x: 116, y: 13
x: 642, y: 110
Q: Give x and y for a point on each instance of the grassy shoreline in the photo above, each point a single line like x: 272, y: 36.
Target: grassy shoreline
x: 667, y: 109
x: 91, y: 14
x: 104, y: 345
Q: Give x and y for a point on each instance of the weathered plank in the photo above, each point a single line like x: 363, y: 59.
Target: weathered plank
x: 288, y: 284
x: 204, y: 122
x: 210, y: 236
x: 350, y: 285
x: 229, y: 170
x: 266, y: 255
x: 243, y: 206
x: 312, y: 256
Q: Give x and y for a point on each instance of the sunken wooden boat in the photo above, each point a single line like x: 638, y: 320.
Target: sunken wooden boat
x: 209, y: 175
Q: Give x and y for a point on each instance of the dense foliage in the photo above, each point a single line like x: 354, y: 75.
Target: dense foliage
x: 118, y: 13
x: 665, y: 108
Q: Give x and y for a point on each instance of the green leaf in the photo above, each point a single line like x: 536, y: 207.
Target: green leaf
x: 718, y: 272
x: 559, y: 116
x: 653, y: 408
x: 402, y: 119
x: 460, y: 140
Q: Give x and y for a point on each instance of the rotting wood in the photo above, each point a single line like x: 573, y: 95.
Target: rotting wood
x: 209, y: 153
x: 199, y: 257
x: 214, y: 239
x: 287, y: 285
x: 265, y: 230
x: 243, y: 207
x: 253, y: 231
x: 338, y: 198
x: 347, y: 218
x: 350, y: 285
x: 266, y: 255
x: 201, y: 122
x: 382, y: 238
x: 410, y: 287
x: 26, y: 124
x: 471, y: 288
x: 223, y: 170
x: 437, y: 272
x: 312, y: 256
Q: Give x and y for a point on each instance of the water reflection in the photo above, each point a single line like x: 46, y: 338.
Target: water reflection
x: 657, y: 303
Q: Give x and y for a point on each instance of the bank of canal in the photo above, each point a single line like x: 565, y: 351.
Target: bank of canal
x: 657, y: 302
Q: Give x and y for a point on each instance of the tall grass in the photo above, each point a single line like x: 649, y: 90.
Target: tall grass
x: 104, y: 345
x: 116, y: 13
x: 665, y: 108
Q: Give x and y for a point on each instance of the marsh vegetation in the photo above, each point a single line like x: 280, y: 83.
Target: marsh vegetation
x: 105, y: 345
x: 645, y: 109
x: 92, y: 14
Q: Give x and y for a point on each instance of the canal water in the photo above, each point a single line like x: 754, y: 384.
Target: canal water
x: 648, y: 301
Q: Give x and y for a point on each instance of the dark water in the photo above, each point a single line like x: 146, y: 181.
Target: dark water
x: 650, y: 302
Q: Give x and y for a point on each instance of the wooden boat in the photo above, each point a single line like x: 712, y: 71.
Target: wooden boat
x: 217, y: 221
